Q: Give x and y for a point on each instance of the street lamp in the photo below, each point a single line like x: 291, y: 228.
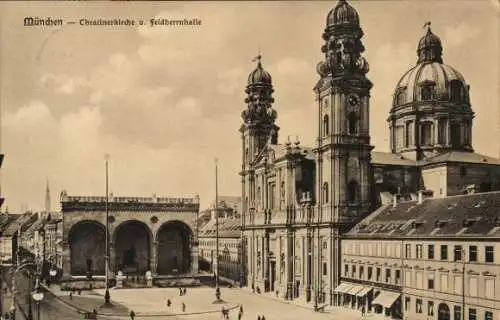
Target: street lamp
x: 107, y: 297
x: 38, y: 296
x: 217, y: 289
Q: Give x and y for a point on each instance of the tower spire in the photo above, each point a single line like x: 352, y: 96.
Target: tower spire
x: 47, y: 197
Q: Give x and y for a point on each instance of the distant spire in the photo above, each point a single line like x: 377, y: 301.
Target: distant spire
x: 47, y: 197
x: 258, y: 58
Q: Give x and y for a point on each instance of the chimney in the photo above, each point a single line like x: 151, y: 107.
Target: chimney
x: 395, y: 201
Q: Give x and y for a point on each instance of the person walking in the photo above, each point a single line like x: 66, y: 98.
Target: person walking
x: 183, y: 307
x: 241, y: 309
x: 263, y: 318
x: 132, y: 314
x: 240, y: 315
x: 169, y: 303
x: 258, y: 318
x: 363, y: 312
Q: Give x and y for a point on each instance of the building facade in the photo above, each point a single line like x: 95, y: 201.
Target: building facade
x: 299, y: 203
x: 145, y: 234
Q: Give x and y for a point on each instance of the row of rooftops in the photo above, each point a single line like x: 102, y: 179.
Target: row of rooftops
x: 463, y: 216
x: 26, y: 222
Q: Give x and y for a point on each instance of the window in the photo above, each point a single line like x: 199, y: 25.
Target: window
x: 456, y: 90
x: 457, y: 310
x: 325, y: 192
x: 352, y: 189
x: 489, y: 254
x: 488, y: 315
x: 399, y: 137
x: 398, y: 276
x: 473, y: 287
x: 419, y: 251
x: 473, y: 253
x: 442, y: 131
x: 430, y: 282
x: 409, y: 134
x: 369, y: 273
x: 430, y: 308
x: 426, y: 92
x: 378, y: 274
x: 444, y: 283
x: 458, y: 284
x: 418, y: 306
x: 352, y: 120
x: 401, y: 98
x: 353, y: 271
x: 407, y: 250
x: 346, y: 270
x: 426, y: 134
x: 430, y: 251
x: 407, y: 303
x: 457, y: 253
x: 326, y: 125
x: 325, y: 268
x: 489, y: 287
x: 472, y: 314
x: 444, y: 252
x: 455, y: 134
x: 387, y: 275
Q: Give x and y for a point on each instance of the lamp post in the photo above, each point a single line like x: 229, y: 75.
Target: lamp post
x: 107, y: 297
x: 217, y: 289
x: 38, y: 296
x: 463, y: 283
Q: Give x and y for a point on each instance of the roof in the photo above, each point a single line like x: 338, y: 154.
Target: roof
x: 462, y: 156
x: 8, y: 224
x: 457, y: 216
x: 388, y: 158
x: 228, y: 228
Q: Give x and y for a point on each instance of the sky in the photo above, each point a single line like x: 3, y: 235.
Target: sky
x: 165, y: 101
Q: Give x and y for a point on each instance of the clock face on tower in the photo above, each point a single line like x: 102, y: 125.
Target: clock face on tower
x: 353, y: 100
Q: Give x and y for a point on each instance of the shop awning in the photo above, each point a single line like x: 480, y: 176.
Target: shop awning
x: 363, y: 292
x: 343, y: 288
x: 355, y: 289
x: 386, y: 298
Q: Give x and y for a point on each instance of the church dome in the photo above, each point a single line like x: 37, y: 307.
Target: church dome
x: 431, y: 81
x: 343, y: 13
x: 259, y: 75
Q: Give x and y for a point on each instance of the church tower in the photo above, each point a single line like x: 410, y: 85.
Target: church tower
x: 47, y: 198
x: 343, y: 188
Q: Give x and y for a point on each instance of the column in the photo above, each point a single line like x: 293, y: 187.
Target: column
x: 194, y: 257
x: 266, y: 261
x: 66, y: 258
x: 154, y: 258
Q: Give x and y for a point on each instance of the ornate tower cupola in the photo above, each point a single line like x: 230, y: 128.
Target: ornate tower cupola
x: 343, y: 45
x: 259, y: 117
x: 431, y: 112
x: 429, y: 47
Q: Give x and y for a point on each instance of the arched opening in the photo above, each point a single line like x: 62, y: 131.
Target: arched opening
x: 325, y: 192
x: 352, y: 191
x: 326, y: 125
x: 352, y: 122
x: 426, y: 134
x: 401, y: 98
x: 87, y: 245
x: 132, y: 247
x: 455, y: 135
x: 443, y: 312
x: 174, y: 248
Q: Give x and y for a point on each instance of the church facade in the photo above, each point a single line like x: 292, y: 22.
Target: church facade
x: 299, y: 203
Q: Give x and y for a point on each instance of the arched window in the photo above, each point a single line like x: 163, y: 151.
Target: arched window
x: 352, y: 123
x: 325, y: 192
x: 401, y: 98
x: 426, y: 134
x: 455, y: 135
x: 426, y: 92
x: 326, y: 125
x: 352, y: 190
x: 456, y: 90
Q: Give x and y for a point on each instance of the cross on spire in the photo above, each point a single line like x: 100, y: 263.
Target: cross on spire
x: 428, y: 25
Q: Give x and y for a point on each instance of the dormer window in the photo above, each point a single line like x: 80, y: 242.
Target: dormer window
x: 401, y: 98
x: 426, y: 92
x: 456, y: 90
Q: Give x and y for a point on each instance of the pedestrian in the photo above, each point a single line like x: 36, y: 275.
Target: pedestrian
x: 132, y: 314
x: 183, y: 307
x: 240, y: 315
x: 169, y: 303
x: 180, y: 291
x: 185, y: 290
x: 241, y: 309
x: 71, y: 295
x: 363, y: 311
x: 258, y: 318
x: 263, y: 318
